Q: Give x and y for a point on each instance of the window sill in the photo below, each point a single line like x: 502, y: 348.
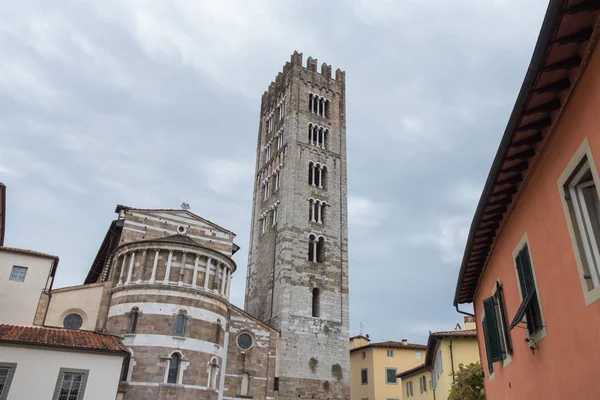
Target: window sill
x: 539, y: 335
x: 591, y: 296
x: 178, y: 338
x: 129, y: 335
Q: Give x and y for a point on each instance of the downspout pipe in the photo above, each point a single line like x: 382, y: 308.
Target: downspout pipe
x: 452, y: 362
x: 463, y: 312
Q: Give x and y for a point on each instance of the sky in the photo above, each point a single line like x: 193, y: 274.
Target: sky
x: 153, y: 103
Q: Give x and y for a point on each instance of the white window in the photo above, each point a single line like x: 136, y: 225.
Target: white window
x: 390, y: 376
x: 418, y: 355
x: 277, y: 178
x: 409, y: 389
x: 585, y: 203
x: 213, y: 372
x: 174, y: 368
x: 280, y: 140
x: 18, y: 274
x: 264, y: 224
x: 70, y: 384
x: 270, y: 125
x: 438, y: 364
x: 266, y: 190
x: 275, y: 214
x: 318, y: 105
x: 317, y: 174
x: 390, y: 353
x: 267, y: 153
x: 316, y: 248
x: 7, y: 371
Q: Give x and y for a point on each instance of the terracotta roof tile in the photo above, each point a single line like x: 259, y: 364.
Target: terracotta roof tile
x: 411, y: 371
x: 26, y: 251
x: 393, y: 345
x: 57, y: 337
x: 465, y: 332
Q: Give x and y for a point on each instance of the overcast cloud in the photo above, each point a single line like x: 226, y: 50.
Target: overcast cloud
x: 154, y: 103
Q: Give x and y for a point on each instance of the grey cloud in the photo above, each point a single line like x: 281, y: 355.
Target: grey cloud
x: 151, y: 104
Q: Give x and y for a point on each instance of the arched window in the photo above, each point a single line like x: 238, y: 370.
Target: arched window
x: 180, y: 323
x: 322, y: 176
x: 316, y: 311
x: 245, y: 384
x: 213, y: 372
x: 173, y: 373
x: 311, y: 173
x: 326, y: 109
x: 310, y: 102
x: 312, y: 248
x: 218, y: 331
x: 135, y: 312
x: 320, y: 245
x: 317, y: 175
x: 311, y: 210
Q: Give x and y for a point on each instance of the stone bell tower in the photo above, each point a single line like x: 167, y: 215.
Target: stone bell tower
x: 298, y: 260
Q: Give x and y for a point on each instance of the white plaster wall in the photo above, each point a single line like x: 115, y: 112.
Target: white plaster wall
x: 37, y: 372
x: 20, y: 299
x: 83, y: 300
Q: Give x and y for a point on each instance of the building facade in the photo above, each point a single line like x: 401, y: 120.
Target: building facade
x: 297, y: 279
x: 26, y: 278
x: 374, y: 367
x: 531, y: 265
x: 57, y: 364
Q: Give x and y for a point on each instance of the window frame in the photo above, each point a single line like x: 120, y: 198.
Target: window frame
x: 364, y: 373
x: 59, y: 381
x: 12, y: 367
x: 542, y: 333
x: 390, y: 353
x: 395, y: 372
x: 18, y: 268
x: 502, y: 322
x: 574, y: 167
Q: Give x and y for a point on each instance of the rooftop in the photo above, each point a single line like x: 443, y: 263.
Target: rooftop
x: 60, y: 338
x: 411, y: 371
x: 28, y: 252
x: 392, y: 345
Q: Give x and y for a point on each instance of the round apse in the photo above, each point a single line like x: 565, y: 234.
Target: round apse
x: 244, y: 341
x: 73, y: 321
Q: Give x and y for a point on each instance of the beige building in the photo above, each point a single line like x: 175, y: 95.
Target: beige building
x: 374, y: 367
x: 25, y: 280
x: 43, y: 363
x: 446, y: 350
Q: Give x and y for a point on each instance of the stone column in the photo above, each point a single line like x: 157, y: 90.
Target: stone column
x: 228, y: 283
x: 319, y: 207
x: 195, y: 277
x: 153, y: 277
x: 122, y: 269
x: 206, y: 275
x: 223, y: 280
x: 321, y: 176
x: 314, y: 167
x: 312, y: 205
x: 168, y: 272
x: 314, y: 249
x: 130, y: 272
x: 182, y: 269
x: 142, y: 267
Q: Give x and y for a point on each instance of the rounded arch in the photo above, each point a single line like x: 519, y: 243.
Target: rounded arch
x: 68, y: 317
x: 173, y: 372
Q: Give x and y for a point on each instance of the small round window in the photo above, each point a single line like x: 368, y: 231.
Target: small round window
x: 244, y: 341
x: 181, y: 229
x: 73, y: 321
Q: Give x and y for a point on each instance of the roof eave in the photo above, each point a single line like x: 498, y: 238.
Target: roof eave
x: 551, y: 22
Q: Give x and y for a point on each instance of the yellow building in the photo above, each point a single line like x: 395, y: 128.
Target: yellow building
x: 445, y: 352
x: 374, y: 367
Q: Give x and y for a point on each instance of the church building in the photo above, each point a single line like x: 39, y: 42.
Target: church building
x: 161, y: 279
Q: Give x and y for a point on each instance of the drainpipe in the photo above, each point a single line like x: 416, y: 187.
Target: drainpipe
x: 452, y: 361
x: 49, y: 290
x: 463, y: 312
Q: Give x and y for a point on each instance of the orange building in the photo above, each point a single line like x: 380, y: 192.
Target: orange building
x: 531, y: 266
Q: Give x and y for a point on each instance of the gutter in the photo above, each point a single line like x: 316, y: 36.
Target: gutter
x: 551, y: 21
x: 48, y: 291
x: 452, y: 362
x: 54, y: 346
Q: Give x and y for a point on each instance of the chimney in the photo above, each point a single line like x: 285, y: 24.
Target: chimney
x: 469, y: 322
x: 404, y: 342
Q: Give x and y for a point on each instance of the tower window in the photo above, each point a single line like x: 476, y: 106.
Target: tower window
x: 173, y: 373
x: 317, y: 174
x: 316, y: 248
x: 275, y: 213
x: 316, y: 211
x: 266, y: 192
x: 180, y: 323
x: 317, y: 135
x: 267, y: 153
x: 17, y: 274
x: 277, y: 179
x: 318, y: 105
x: 280, y: 140
x: 126, y: 367
x: 316, y: 306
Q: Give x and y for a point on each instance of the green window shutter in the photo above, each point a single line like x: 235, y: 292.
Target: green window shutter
x: 502, y: 316
x: 527, y: 283
x: 487, y: 347
x: 493, y: 346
